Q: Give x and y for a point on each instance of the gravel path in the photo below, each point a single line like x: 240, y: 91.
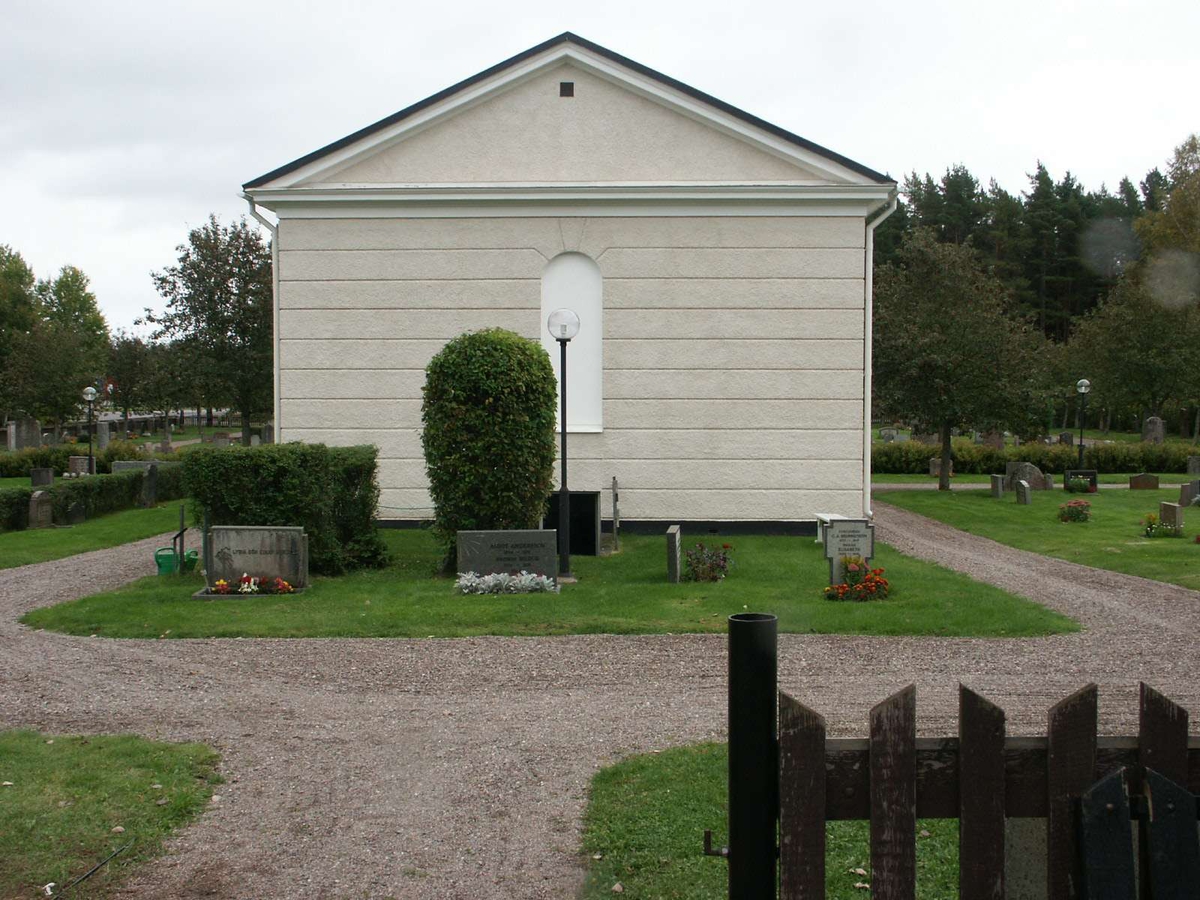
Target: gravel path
x: 459, y: 768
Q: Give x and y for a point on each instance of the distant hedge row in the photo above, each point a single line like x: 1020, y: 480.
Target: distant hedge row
x: 18, y: 464
x: 912, y: 457
x: 330, y: 491
x: 97, y: 495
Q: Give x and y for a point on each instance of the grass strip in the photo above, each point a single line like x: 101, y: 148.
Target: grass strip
x: 22, y: 548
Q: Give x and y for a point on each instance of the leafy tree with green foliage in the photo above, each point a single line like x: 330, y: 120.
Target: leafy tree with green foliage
x: 67, y: 301
x: 219, y: 300
x: 17, y: 315
x: 129, y: 370
x: 489, y: 422
x: 946, y: 352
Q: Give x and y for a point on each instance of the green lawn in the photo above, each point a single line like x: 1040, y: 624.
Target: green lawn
x: 1111, y: 540
x: 1106, y: 478
x: 68, y: 793
x: 646, y: 818
x: 20, y: 548
x: 625, y: 594
x: 14, y: 482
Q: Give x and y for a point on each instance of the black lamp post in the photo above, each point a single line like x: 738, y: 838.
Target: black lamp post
x: 89, y: 394
x: 563, y: 325
x: 1082, y: 386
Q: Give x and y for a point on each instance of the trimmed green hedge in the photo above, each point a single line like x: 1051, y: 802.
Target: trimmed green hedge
x: 912, y: 458
x: 98, y: 495
x: 330, y: 491
x: 488, y: 437
x: 18, y: 464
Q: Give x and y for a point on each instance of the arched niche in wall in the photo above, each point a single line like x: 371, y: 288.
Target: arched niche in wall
x: 573, y: 281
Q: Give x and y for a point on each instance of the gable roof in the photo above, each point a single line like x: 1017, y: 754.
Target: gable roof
x: 569, y: 38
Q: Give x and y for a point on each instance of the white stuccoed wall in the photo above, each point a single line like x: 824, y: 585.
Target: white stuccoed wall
x: 733, y: 349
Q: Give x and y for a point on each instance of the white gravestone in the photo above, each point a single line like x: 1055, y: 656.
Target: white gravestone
x: 847, y: 537
x: 1024, y: 493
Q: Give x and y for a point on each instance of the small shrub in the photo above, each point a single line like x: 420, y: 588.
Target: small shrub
x: 704, y: 563
x: 1153, y: 527
x: 1075, y: 511
x: 14, y: 508
x: 504, y: 583
x: 862, y: 582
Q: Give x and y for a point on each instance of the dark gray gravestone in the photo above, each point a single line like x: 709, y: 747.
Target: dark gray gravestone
x: 76, y: 514
x: 41, y: 477
x: 1067, y: 437
x: 887, y: 435
x: 1189, y: 493
x: 268, y: 433
x: 1091, y: 475
x: 847, y: 537
x: 1193, y: 465
x: 674, y: 540
x: 1143, y: 482
x: 1024, y: 493
x: 998, y: 486
x: 41, y: 510
x: 221, y: 439
x: 1153, y: 430
x: 533, y: 550
x: 261, y: 551
x: 24, y: 433
x: 150, y: 486
x: 1023, y: 471
x: 78, y: 465
x: 1171, y: 514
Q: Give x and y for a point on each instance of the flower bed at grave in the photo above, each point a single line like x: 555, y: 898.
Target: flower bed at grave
x: 249, y: 585
x: 862, y: 582
x: 1075, y: 511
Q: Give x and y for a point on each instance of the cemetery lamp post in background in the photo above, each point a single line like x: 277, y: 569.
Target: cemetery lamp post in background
x: 89, y: 394
x: 1082, y: 386
x: 563, y: 325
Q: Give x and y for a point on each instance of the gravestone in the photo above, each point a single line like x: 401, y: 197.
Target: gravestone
x: 268, y: 433
x: 1153, y: 431
x: 935, y: 466
x: 1193, y: 465
x: 925, y: 438
x: 1024, y: 492
x: 150, y: 486
x: 255, y: 440
x: 1143, y: 482
x: 1189, y: 493
x: 41, y: 510
x: 674, y: 563
x: 616, y: 516
x: 103, y: 433
x: 262, y: 551
x: 24, y: 433
x: 847, y: 537
x: 887, y: 435
x: 998, y: 486
x: 1067, y: 437
x: 1023, y: 471
x: 533, y: 550
x: 1170, y: 514
x: 41, y: 477
x: 78, y: 465
x: 1091, y: 475
x: 994, y: 439
x: 76, y: 513
x: 221, y: 439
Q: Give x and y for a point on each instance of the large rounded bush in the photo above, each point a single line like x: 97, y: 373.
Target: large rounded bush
x: 488, y: 416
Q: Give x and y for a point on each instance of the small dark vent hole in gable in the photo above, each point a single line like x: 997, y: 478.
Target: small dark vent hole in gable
x: 566, y: 89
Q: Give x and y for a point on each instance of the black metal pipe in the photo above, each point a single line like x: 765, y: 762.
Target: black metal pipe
x: 564, y: 496
x: 753, y: 757
x: 1082, y: 419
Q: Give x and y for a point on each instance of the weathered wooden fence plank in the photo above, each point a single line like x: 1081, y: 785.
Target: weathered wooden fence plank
x: 1107, y: 835
x: 1070, y: 770
x: 1174, y: 857
x: 1162, y: 735
x: 894, y: 797
x: 801, y: 801
x: 981, y: 797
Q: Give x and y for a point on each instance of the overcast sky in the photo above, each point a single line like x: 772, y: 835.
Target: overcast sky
x: 122, y: 125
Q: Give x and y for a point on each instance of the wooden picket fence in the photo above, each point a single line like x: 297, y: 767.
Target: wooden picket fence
x: 980, y: 778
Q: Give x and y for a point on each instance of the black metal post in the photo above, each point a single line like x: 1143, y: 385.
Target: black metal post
x: 91, y: 461
x: 1082, y: 416
x: 753, y: 756
x: 564, y: 496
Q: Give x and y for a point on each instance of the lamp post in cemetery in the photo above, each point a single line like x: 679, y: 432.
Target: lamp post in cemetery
x: 1082, y: 386
x: 89, y: 394
x: 563, y: 325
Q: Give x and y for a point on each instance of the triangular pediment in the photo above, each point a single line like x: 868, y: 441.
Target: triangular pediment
x: 617, y: 123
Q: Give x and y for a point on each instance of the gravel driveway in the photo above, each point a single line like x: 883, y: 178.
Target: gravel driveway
x: 459, y: 768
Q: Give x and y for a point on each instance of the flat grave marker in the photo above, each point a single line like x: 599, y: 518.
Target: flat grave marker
x: 533, y: 550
